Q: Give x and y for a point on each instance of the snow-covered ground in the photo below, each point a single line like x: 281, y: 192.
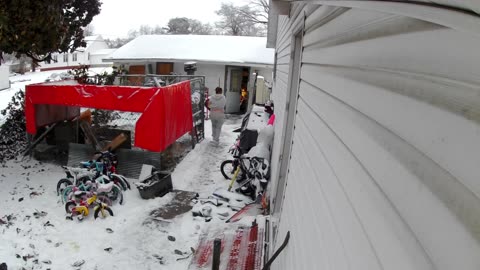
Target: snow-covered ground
x: 35, y: 241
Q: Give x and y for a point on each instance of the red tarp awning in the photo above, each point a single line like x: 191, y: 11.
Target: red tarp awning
x: 166, y: 111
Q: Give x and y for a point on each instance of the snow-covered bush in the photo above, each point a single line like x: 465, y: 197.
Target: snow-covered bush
x: 13, y: 138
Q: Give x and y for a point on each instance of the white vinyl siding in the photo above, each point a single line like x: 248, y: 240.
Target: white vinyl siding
x: 279, y: 95
x: 384, y: 166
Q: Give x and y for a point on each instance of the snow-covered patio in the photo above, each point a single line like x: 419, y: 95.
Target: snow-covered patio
x: 37, y: 235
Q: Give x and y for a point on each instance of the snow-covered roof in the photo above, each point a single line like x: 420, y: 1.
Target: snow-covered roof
x: 90, y: 40
x: 202, y: 48
x: 103, y: 52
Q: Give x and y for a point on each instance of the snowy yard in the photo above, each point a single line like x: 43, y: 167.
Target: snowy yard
x: 37, y: 235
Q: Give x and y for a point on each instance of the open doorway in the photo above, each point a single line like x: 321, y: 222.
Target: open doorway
x: 236, y: 89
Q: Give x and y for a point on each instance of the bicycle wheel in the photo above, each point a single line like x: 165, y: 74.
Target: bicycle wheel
x: 228, y: 169
x: 66, y: 193
x: 104, y: 199
x: 116, y: 194
x: 103, y: 211
x: 125, y: 180
x: 70, y: 207
x: 62, y: 184
x: 119, y: 181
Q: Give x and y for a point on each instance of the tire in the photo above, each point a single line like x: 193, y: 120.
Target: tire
x: 119, y: 182
x: 62, y: 184
x: 126, y: 181
x: 69, y: 206
x: 106, y: 210
x: 116, y: 194
x: 228, y: 169
x: 104, y: 199
x: 66, y: 193
x: 119, y: 193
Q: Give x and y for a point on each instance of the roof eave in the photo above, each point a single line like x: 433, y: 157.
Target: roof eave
x: 153, y: 60
x: 276, y: 8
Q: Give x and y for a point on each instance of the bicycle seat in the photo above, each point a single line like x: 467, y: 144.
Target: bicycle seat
x: 105, y: 187
x: 79, y: 193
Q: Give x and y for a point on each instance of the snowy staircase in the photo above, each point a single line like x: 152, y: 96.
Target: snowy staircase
x: 242, y: 247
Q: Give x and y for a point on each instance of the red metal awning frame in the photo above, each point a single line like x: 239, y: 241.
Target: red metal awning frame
x: 166, y: 111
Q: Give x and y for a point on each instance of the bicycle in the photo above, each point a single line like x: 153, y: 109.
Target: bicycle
x: 106, y: 163
x: 82, y: 201
x: 228, y: 167
x: 74, y: 176
x: 101, y: 185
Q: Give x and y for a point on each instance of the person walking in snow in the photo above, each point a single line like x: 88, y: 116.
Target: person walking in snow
x: 216, y: 105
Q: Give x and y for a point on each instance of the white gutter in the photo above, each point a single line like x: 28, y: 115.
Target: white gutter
x: 459, y: 15
x: 155, y: 60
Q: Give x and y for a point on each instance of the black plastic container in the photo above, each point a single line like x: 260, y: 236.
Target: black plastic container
x: 156, y: 185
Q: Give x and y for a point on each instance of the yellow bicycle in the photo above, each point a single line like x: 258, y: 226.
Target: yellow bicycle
x: 81, y: 203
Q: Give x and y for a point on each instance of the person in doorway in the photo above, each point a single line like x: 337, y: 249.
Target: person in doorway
x: 243, y: 100
x: 216, y: 105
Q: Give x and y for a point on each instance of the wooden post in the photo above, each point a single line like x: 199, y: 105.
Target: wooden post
x: 217, y: 244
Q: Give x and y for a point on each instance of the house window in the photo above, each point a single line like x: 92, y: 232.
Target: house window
x: 65, y: 58
x: 74, y: 57
x: 55, y: 58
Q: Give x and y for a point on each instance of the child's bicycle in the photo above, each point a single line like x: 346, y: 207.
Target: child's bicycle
x: 74, y: 176
x: 101, y: 185
x: 83, y: 200
x: 103, y: 168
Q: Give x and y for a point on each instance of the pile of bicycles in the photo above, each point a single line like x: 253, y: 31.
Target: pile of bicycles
x: 95, y: 185
x: 250, y: 173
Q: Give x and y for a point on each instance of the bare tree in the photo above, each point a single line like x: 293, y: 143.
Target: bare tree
x: 196, y: 27
x: 117, y: 43
x: 132, y: 33
x: 146, y: 30
x: 234, y: 21
x: 178, y: 26
x: 257, y: 12
x: 185, y: 26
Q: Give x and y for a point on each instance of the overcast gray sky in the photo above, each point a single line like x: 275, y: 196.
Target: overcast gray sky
x: 117, y: 17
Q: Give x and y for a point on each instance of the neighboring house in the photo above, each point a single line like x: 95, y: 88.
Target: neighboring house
x: 225, y: 61
x: 13, y: 66
x: 4, y: 77
x: 18, y: 65
x: 91, y: 55
x: 375, y: 163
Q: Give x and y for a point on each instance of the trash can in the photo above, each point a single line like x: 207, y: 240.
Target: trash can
x: 156, y: 185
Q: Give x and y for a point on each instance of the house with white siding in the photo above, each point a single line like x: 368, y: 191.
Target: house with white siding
x: 375, y: 162
x: 229, y: 62
x: 91, y: 55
